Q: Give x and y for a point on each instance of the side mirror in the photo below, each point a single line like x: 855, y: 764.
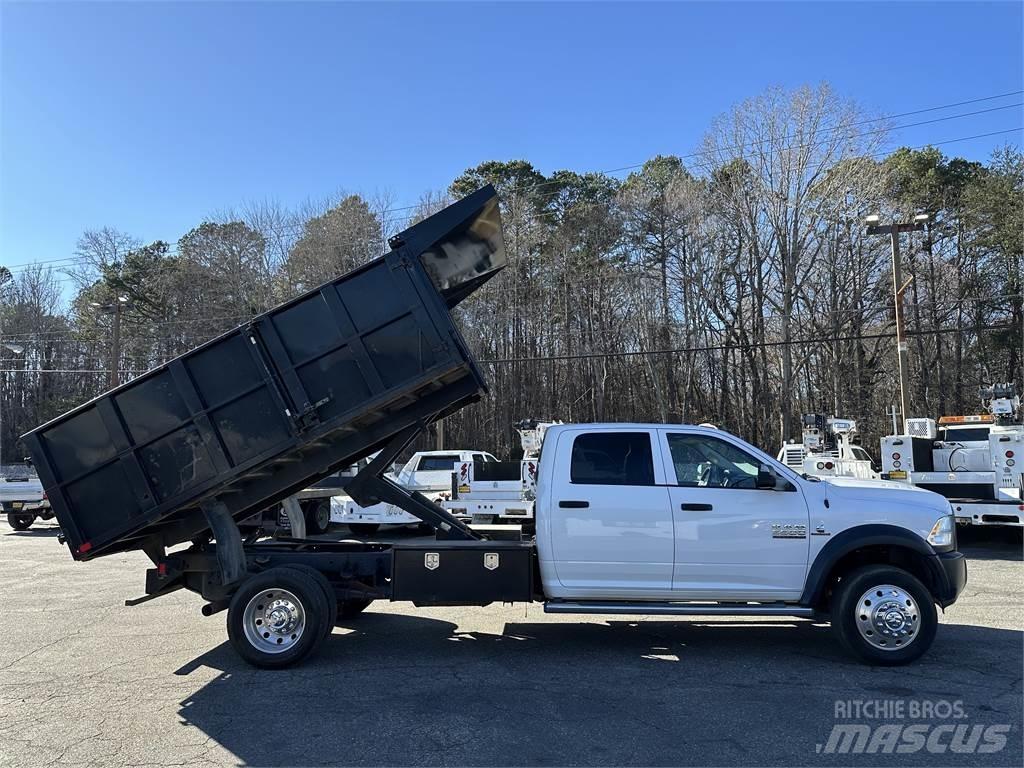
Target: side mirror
x: 766, y: 478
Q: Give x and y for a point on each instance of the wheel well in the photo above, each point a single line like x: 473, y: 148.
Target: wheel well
x: 876, y: 554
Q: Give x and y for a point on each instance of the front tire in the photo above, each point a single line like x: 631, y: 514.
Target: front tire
x: 20, y: 521
x: 275, y: 618
x: 884, y: 615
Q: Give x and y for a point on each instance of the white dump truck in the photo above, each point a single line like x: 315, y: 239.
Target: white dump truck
x: 655, y: 519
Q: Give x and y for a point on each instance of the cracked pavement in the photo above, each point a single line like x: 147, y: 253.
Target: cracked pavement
x: 85, y: 680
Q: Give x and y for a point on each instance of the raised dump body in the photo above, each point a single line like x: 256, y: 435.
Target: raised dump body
x: 265, y: 410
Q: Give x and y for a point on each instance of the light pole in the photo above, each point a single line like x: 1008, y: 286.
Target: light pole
x: 893, y: 230
x: 114, y: 309
x: 17, y: 349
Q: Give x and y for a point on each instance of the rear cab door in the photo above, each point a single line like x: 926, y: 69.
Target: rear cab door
x: 609, y: 531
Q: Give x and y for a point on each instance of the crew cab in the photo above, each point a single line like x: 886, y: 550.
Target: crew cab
x: 690, y: 520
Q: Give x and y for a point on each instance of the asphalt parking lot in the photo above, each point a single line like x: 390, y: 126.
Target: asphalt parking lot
x: 85, y: 680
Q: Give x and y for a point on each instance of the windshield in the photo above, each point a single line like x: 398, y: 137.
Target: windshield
x: 968, y: 435
x: 860, y: 453
x: 444, y: 463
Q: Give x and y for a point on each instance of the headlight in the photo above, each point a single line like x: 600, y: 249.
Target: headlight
x: 942, y: 532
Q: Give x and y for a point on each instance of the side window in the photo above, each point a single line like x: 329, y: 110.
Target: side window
x: 860, y: 453
x: 702, y: 461
x: 612, y: 458
x: 479, y: 457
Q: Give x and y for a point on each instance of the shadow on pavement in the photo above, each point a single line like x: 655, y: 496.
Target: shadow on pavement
x: 991, y: 542
x: 49, y: 531
x: 400, y: 690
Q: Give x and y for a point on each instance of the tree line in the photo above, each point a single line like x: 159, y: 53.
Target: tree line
x: 736, y: 286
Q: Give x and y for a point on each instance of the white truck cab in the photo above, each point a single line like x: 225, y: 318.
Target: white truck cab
x: 644, y: 518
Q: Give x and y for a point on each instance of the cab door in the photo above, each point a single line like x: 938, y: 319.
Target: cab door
x: 732, y: 537
x: 611, y: 525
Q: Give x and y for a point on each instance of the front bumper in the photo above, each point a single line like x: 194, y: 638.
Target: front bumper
x: 950, y: 577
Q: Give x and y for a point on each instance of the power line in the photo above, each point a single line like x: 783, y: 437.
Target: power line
x: 69, y: 336
x: 755, y: 345
x: 635, y: 353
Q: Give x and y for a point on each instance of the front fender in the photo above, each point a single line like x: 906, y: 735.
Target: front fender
x: 878, y: 534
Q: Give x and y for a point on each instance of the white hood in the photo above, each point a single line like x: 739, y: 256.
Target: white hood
x: 881, y: 491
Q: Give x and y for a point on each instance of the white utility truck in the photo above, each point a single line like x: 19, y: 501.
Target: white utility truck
x: 500, y: 491
x: 975, y: 461
x: 829, y: 448
x: 428, y: 472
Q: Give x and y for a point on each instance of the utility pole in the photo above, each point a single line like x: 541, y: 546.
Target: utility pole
x: 893, y: 230
x: 17, y: 349
x: 440, y: 434
x: 114, y: 309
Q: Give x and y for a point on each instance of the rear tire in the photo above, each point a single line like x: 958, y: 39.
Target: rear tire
x: 318, y: 516
x: 364, y: 529
x: 275, y: 618
x: 325, y: 586
x: 20, y: 521
x: 884, y: 615
x: 349, y: 609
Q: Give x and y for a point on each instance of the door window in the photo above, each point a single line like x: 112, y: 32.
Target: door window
x: 612, y: 458
x: 706, y: 462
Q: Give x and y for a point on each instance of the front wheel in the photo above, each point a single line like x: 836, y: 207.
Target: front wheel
x: 20, y: 521
x: 884, y: 615
x: 276, y: 618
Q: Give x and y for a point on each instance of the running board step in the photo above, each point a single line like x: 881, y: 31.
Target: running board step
x: 682, y: 609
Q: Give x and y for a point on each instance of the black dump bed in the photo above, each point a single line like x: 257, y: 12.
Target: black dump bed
x: 267, y: 409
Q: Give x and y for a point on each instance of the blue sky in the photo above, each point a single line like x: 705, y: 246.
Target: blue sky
x: 149, y: 116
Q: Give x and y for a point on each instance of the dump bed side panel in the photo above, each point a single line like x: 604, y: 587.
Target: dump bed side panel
x: 301, y: 391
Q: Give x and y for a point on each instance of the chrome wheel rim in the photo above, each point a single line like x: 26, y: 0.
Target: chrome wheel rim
x: 887, y: 617
x: 274, y: 620
x: 323, y: 516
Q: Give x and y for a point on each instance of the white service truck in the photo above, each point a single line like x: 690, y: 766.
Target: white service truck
x: 829, y: 448
x: 974, y: 461
x: 428, y: 472
x: 501, y: 491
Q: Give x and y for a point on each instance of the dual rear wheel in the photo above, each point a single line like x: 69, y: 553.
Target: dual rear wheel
x: 279, y: 617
